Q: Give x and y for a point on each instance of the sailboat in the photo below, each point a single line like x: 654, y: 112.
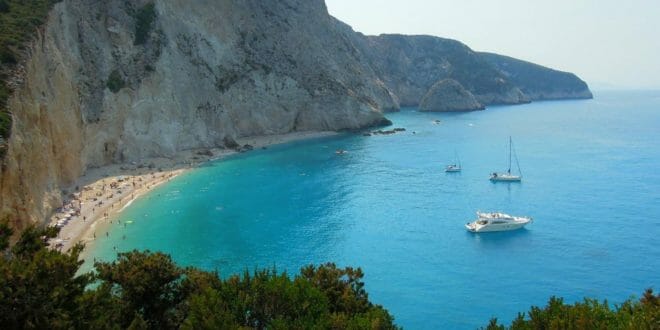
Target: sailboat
x: 508, y: 176
x: 456, y: 167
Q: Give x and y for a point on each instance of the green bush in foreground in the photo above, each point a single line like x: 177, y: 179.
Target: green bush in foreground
x: 39, y: 288
x: 590, y: 314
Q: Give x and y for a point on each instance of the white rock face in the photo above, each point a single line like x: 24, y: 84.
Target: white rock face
x: 208, y: 70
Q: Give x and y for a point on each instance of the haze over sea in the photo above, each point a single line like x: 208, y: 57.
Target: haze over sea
x: 591, y: 180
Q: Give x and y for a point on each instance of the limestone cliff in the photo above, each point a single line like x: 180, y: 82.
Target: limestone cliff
x: 449, y: 95
x: 539, y: 82
x: 112, y: 81
x: 410, y: 65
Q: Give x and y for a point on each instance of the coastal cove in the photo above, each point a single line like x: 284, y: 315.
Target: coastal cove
x: 590, y: 178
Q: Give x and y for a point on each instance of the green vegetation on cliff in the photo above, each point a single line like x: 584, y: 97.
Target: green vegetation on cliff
x: 144, y: 19
x: 115, y: 81
x: 40, y: 288
x: 19, y: 21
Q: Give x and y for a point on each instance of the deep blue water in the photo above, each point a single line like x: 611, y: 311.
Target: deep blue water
x: 591, y: 181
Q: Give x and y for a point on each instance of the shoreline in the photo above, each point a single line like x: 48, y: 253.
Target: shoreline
x: 101, y: 194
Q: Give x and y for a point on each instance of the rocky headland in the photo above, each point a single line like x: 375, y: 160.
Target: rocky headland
x: 110, y: 82
x: 449, y: 95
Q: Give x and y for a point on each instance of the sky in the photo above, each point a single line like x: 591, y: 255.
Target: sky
x: 609, y: 44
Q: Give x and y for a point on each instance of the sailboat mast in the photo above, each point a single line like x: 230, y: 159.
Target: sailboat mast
x: 515, y: 155
x: 509, y: 154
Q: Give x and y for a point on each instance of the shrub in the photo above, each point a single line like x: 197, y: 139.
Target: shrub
x: 4, y: 6
x: 5, y: 125
x: 7, y: 56
x: 41, y: 288
x: 589, y: 314
x: 115, y: 81
x: 144, y: 19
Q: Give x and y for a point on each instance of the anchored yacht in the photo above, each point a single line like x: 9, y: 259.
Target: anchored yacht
x: 508, y: 176
x: 455, y: 167
x: 496, y: 221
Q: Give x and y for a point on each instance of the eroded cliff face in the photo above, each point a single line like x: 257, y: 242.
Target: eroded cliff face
x: 210, y: 69
x: 449, y: 95
x: 538, y: 82
x: 411, y: 65
x: 203, y: 71
x: 45, y: 147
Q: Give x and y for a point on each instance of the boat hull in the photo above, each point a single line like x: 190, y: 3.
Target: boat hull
x: 506, y: 178
x: 493, y: 228
x: 452, y: 170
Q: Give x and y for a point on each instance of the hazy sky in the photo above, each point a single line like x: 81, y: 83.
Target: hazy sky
x: 602, y: 41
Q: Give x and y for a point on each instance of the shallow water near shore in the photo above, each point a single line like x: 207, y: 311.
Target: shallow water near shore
x: 591, y: 180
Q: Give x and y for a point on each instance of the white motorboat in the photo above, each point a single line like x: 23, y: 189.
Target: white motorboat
x: 508, y: 176
x: 496, y: 221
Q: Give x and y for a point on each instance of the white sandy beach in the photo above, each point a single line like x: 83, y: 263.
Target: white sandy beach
x: 102, y: 193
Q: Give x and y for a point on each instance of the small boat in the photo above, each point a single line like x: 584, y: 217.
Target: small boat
x: 496, y: 221
x: 456, y: 167
x: 508, y: 176
x: 453, y: 168
x: 340, y: 151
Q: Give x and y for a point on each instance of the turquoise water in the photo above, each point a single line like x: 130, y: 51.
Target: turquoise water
x: 591, y: 181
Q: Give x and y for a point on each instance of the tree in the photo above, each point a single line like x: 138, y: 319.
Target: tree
x: 4, y: 6
x: 144, y: 282
x: 590, y: 314
x: 38, y: 286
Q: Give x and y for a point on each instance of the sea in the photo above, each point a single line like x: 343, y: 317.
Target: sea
x: 591, y: 182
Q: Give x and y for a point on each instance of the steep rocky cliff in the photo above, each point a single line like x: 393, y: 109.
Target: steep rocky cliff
x: 410, y: 65
x: 117, y: 81
x: 112, y: 81
x: 449, y: 95
x: 539, y: 82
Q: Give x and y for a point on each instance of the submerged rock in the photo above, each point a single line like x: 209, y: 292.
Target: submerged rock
x: 386, y: 132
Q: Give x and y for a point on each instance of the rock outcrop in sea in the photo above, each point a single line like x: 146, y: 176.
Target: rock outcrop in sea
x: 449, y: 95
x: 119, y: 81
